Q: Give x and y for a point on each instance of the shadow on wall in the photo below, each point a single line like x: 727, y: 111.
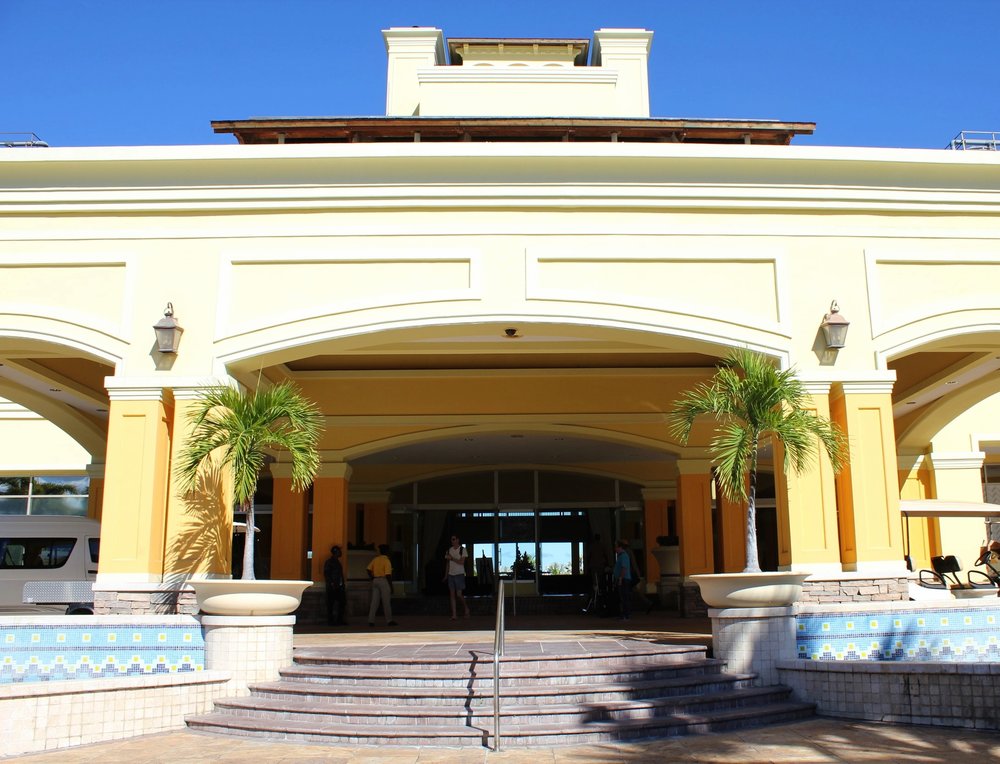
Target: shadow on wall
x: 203, y: 543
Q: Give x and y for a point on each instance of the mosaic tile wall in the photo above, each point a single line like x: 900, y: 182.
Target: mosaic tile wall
x: 48, y: 652
x: 957, y: 634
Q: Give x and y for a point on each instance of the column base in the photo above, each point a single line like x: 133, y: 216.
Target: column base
x: 754, y: 640
x: 142, y: 598
x: 251, y: 648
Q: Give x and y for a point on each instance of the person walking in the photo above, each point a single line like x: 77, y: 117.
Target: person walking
x: 336, y: 589
x: 380, y: 574
x: 638, y: 585
x: 622, y: 576
x: 455, y: 559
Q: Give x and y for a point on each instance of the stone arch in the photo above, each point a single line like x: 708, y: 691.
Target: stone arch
x: 35, y: 376
x: 277, y: 344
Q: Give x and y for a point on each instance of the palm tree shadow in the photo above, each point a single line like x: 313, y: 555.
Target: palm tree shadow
x: 203, y: 542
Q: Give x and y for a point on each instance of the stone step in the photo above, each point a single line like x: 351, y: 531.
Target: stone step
x: 520, y: 715
x: 482, y: 693
x: 430, y: 658
x: 547, y: 732
x: 513, y: 674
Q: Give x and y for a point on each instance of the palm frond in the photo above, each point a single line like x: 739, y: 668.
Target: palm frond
x: 751, y: 400
x: 243, y: 428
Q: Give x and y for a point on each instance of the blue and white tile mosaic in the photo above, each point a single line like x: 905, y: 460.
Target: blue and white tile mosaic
x: 968, y: 635
x: 44, y: 652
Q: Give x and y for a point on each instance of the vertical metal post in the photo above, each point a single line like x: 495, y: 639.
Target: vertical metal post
x: 498, y: 649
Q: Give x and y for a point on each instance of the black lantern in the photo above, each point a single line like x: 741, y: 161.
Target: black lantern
x: 168, y: 331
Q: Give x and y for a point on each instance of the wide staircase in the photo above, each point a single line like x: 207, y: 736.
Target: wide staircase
x: 552, y: 693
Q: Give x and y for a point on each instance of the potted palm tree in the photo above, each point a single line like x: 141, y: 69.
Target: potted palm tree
x: 753, y: 401
x: 236, y: 432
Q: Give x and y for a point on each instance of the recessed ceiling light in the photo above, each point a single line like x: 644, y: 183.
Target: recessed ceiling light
x: 951, y: 382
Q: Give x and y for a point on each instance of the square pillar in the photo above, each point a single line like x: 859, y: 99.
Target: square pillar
x: 627, y: 51
x: 409, y: 49
x: 656, y: 503
x: 808, y: 534
x: 733, y: 532
x: 199, y: 530
x: 289, y: 527
x: 330, y: 506
x: 868, y: 487
x: 920, y: 534
x: 137, y: 474
x: 957, y: 476
x: 694, y: 516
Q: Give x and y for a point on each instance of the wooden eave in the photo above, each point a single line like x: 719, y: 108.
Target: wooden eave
x: 416, y: 129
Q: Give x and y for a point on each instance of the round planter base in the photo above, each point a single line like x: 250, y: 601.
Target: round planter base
x: 722, y: 590
x: 237, y: 597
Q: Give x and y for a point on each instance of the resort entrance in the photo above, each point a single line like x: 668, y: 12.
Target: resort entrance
x: 547, y: 531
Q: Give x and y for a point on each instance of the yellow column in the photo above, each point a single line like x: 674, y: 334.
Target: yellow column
x: 330, y: 507
x: 135, y: 492
x: 808, y: 536
x: 289, y: 527
x: 868, y: 488
x: 656, y: 502
x: 199, y: 531
x: 957, y: 476
x: 95, y: 491
x: 694, y: 516
x: 915, y: 484
x: 733, y: 530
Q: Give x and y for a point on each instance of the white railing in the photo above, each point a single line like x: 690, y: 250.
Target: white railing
x: 973, y: 140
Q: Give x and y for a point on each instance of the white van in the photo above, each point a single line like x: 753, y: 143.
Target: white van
x: 55, y: 556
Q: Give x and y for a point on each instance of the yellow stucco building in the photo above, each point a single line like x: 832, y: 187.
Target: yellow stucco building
x: 494, y: 293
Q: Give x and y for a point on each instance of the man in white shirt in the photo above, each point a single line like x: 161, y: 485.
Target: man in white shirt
x: 455, y: 559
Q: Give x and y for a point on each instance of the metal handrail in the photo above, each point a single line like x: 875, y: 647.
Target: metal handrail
x: 975, y: 140
x: 498, y: 647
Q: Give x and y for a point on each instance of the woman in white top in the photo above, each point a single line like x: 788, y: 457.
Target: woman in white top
x: 455, y: 559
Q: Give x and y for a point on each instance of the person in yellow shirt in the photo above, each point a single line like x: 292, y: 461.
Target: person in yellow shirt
x: 380, y: 573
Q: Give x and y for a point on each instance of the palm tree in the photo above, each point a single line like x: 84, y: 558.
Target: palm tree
x: 751, y: 401
x: 245, y: 428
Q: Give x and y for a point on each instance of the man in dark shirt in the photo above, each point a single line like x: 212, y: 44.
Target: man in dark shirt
x: 336, y: 589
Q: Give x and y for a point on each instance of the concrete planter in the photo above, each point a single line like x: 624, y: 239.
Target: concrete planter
x: 238, y: 597
x: 724, y: 590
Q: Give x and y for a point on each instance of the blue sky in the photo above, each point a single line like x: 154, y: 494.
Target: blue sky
x: 907, y: 73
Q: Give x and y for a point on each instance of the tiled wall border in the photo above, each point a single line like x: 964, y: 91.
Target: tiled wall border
x: 904, y: 631
x: 84, y: 648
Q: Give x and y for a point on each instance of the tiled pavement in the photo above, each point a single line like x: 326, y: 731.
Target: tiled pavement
x: 815, y: 740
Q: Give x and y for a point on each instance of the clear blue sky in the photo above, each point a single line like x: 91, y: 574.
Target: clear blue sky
x: 908, y: 73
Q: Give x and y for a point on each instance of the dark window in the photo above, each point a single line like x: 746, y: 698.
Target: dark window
x: 34, y: 553
x: 14, y: 486
x: 95, y: 550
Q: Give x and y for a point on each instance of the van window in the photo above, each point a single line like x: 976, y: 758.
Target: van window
x: 34, y: 553
x: 95, y: 550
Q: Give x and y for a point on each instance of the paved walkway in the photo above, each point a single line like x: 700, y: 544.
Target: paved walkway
x: 814, y: 740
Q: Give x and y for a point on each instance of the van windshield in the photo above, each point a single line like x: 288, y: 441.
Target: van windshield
x: 34, y: 553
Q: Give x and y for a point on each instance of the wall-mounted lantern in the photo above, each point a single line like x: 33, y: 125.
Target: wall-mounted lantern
x: 168, y: 331
x: 835, y: 327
